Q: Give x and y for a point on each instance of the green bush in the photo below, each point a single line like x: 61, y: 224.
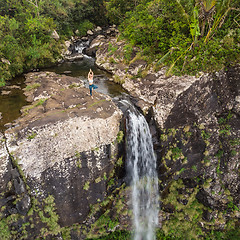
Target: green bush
x: 84, y: 27
x: 26, y: 28
x: 175, y: 34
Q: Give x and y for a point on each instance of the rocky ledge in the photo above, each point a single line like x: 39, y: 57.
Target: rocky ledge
x: 61, y: 120
x: 61, y: 150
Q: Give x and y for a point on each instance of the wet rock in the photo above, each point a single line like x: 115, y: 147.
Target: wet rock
x: 13, y: 87
x: 84, y: 39
x: 67, y: 72
x: 90, y: 52
x: 23, y: 205
x: 74, y: 57
x: 95, y: 43
x: 207, y: 216
x: 89, y: 32
x: 19, y: 185
x: 6, y: 92
x: 66, y: 50
x: 98, y: 29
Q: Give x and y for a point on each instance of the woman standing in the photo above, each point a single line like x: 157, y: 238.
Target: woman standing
x: 90, y: 80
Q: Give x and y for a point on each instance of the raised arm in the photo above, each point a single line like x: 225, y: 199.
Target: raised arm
x: 90, y: 74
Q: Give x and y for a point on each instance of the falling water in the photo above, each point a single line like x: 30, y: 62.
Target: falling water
x: 142, y: 170
x: 80, y: 46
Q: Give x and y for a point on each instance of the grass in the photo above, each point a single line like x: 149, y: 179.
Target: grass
x: 97, y: 102
x: 32, y: 86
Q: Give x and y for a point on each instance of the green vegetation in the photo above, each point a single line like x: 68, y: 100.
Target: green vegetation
x: 184, y: 221
x: 112, y: 49
x: 26, y: 31
x: 4, y: 230
x: 160, y: 235
x: 32, y: 86
x: 32, y: 135
x: 86, y: 185
x: 49, y: 216
x: 116, y: 235
x: 96, y: 103
x: 40, y: 102
x: 120, y: 136
x: 187, y: 35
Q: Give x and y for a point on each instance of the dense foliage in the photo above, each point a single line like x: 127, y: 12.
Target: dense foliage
x: 214, y: 235
x: 188, y: 35
x: 26, y: 29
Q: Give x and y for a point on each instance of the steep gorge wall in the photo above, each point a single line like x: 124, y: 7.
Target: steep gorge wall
x: 198, y: 121
x: 56, y: 160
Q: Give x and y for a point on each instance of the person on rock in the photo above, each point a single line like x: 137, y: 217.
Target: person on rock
x: 90, y: 81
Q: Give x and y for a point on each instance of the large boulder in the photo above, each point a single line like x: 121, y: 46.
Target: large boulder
x: 96, y: 42
x: 61, y: 150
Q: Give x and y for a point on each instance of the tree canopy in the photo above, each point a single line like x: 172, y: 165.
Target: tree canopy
x: 26, y: 28
x: 187, y: 35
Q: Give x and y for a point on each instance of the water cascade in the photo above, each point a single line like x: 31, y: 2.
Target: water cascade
x: 80, y: 45
x: 141, y: 167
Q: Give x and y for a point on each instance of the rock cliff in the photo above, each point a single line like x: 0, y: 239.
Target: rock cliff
x: 198, y: 123
x: 56, y: 159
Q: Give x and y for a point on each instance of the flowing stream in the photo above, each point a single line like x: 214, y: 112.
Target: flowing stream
x: 141, y: 168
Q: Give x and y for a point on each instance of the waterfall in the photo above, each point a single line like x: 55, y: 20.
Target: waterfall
x: 80, y: 46
x: 141, y: 167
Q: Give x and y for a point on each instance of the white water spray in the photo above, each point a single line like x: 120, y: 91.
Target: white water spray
x: 141, y: 164
x: 80, y: 46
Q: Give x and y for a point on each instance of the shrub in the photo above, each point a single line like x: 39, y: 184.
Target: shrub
x: 84, y: 27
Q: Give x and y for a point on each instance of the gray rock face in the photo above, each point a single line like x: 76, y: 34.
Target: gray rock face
x: 217, y: 124
x: 64, y: 144
x: 54, y: 141
x: 198, y: 121
x: 151, y: 88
